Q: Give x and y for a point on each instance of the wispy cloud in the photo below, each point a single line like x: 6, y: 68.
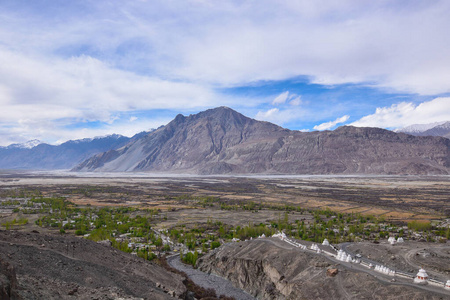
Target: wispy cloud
x: 281, y: 98
x: 331, y: 124
x: 270, y: 114
x: 292, y: 98
x: 295, y: 101
x: 407, y: 113
x: 281, y: 116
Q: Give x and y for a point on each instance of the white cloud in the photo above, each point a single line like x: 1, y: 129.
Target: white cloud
x: 281, y: 116
x: 331, y: 124
x: 133, y: 118
x: 407, y: 113
x: 40, y: 97
x: 281, y: 98
x: 296, y: 101
x: 380, y: 43
x: 86, y: 87
x: 233, y: 43
x: 267, y: 115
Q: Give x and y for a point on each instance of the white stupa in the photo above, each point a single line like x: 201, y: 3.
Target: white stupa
x: 326, y: 242
x: 421, y: 276
x: 400, y: 240
x: 349, y: 258
x: 280, y: 235
x: 342, y: 256
x: 392, y: 240
x: 447, y: 285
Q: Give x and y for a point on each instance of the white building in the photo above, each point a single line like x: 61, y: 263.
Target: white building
x: 447, y: 285
x: 421, y: 276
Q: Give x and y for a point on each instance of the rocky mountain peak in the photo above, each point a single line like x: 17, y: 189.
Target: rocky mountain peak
x: 222, y: 115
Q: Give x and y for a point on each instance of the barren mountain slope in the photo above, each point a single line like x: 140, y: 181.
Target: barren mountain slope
x: 222, y: 141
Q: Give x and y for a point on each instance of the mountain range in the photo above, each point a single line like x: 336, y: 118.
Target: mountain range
x: 223, y: 141
x: 34, y: 155
x: 434, y: 129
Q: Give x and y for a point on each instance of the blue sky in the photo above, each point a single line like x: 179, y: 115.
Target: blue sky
x: 76, y: 69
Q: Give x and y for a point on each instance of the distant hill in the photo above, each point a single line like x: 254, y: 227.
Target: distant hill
x: 434, y: 129
x: 34, y: 155
x: 223, y: 141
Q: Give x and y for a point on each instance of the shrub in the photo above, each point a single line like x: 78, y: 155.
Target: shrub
x: 79, y: 232
x: 215, y: 245
x: 419, y: 226
x: 190, y: 258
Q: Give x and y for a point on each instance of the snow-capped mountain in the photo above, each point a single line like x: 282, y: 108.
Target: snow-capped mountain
x: 27, y: 145
x: 87, y: 140
x: 432, y: 129
x: 34, y: 155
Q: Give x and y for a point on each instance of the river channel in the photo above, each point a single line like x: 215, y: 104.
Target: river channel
x: 210, y: 281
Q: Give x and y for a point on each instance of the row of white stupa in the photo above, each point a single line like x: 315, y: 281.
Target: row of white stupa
x: 421, y: 277
x: 343, y: 256
x: 384, y: 270
x: 393, y: 241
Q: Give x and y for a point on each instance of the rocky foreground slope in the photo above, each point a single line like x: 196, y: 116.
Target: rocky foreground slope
x: 267, y: 270
x: 38, y: 266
